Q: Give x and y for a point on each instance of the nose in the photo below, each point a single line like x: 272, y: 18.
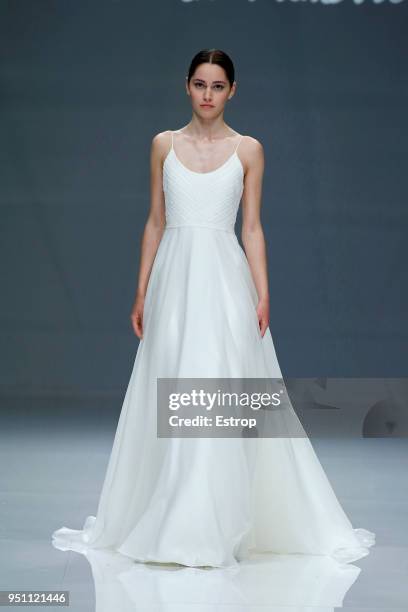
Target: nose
x: 207, y: 95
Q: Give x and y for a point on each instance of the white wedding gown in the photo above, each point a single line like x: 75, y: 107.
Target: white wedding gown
x: 208, y: 501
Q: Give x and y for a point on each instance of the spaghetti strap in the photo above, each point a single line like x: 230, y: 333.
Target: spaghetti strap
x: 172, y: 139
x: 239, y: 142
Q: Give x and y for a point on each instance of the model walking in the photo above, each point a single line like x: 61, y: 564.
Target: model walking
x: 202, y: 310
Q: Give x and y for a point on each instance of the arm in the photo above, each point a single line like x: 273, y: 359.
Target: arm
x: 252, y: 232
x: 153, y: 230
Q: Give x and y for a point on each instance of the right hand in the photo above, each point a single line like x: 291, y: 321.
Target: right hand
x: 136, y: 316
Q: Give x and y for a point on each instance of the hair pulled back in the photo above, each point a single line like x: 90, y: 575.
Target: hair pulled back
x: 213, y: 56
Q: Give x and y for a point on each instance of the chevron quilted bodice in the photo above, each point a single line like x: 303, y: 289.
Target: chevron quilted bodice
x: 209, y: 199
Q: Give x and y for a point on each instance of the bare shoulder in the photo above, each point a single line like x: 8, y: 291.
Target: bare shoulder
x: 161, y: 143
x: 252, y: 146
x: 251, y: 152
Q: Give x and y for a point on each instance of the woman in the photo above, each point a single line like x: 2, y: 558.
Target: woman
x: 202, y: 310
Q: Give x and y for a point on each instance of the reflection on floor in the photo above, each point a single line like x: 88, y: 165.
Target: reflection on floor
x: 265, y: 582
x: 51, y: 478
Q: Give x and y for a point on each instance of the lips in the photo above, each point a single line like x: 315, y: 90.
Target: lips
x: 207, y: 105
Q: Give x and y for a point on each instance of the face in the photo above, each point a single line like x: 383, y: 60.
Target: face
x: 209, y: 90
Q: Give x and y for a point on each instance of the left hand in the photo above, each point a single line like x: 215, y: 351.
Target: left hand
x: 262, y: 310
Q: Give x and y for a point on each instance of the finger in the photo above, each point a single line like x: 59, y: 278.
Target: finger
x: 140, y: 327
x: 135, y: 325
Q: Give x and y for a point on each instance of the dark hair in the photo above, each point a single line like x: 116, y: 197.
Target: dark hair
x: 213, y: 56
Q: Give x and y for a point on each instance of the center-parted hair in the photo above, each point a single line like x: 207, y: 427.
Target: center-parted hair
x: 213, y: 56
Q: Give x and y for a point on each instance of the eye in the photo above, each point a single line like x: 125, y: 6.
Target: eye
x: 198, y: 84
x: 220, y: 87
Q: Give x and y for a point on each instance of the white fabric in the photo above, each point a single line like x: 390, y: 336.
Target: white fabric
x: 208, y: 501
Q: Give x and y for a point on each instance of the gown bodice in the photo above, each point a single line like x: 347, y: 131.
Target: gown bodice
x: 207, y: 199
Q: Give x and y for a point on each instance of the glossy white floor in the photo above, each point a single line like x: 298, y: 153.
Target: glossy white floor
x: 51, y: 478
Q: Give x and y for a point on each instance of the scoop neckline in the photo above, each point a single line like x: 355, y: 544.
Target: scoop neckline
x: 202, y: 173
x: 234, y: 154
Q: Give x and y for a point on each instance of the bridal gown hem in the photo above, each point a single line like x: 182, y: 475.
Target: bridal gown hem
x: 208, y: 501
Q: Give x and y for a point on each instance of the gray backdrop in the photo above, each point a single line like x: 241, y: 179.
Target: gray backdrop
x: 84, y: 88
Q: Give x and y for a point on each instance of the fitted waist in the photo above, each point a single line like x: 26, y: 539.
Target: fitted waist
x: 203, y: 225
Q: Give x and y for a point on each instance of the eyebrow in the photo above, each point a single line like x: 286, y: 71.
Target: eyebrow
x: 202, y: 81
